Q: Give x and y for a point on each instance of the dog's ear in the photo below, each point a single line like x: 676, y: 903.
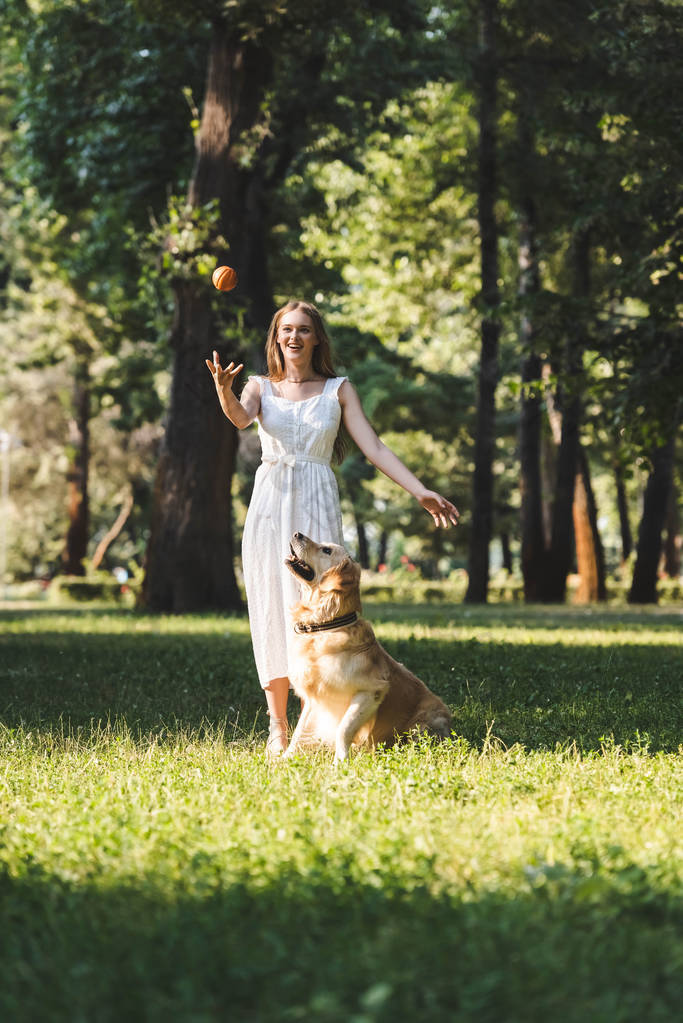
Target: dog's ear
x: 343, y: 576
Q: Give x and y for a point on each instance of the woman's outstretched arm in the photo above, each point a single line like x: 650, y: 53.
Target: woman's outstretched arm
x: 240, y: 411
x: 361, y: 431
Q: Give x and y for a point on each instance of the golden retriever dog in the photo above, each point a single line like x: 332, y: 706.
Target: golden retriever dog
x: 351, y: 690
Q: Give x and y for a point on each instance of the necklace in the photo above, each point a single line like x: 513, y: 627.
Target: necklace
x: 308, y: 380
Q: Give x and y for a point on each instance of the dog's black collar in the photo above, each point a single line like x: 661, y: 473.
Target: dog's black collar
x: 334, y: 623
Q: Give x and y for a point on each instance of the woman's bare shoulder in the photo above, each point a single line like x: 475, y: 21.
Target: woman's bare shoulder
x: 346, y: 390
x: 254, y: 385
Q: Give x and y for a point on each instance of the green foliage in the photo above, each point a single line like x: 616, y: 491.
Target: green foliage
x: 398, y: 229
x: 100, y: 98
x: 364, y: 152
x: 79, y: 170
x: 99, y: 109
x: 187, y: 242
x: 152, y: 863
x: 596, y: 144
x: 391, y: 242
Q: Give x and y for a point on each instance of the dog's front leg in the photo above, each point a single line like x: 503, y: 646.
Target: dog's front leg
x: 300, y: 731
x: 363, y: 705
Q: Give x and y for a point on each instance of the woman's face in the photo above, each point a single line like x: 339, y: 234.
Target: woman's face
x: 296, y: 337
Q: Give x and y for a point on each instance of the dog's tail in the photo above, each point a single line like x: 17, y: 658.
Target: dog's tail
x: 441, y: 726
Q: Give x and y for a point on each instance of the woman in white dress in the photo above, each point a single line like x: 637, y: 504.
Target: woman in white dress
x: 299, y: 407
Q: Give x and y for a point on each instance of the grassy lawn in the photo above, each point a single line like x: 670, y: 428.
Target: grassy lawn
x: 154, y: 867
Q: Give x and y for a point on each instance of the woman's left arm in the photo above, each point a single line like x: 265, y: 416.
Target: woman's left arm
x: 361, y: 431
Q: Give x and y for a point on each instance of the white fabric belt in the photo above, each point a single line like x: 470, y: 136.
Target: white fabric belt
x: 290, y: 459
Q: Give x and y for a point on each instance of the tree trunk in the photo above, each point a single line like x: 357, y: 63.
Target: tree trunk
x: 622, y: 508
x: 530, y: 482
x: 355, y: 469
x: 549, y: 448
x: 190, y: 553
x: 77, y: 475
x: 363, y: 549
x: 382, y: 548
x: 559, y: 560
x: 238, y: 75
x: 506, y: 550
x: 590, y: 555
x: 672, y: 541
x: 530, y: 421
x: 484, y: 446
x: 644, y: 583
x: 112, y: 533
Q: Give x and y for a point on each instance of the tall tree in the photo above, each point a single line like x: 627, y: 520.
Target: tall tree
x: 77, y: 474
x: 190, y: 553
x: 482, y: 484
x: 531, y: 405
x: 561, y: 551
x: 639, y: 46
x: 536, y: 62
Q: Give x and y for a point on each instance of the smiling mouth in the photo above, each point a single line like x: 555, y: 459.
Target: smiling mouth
x: 299, y: 566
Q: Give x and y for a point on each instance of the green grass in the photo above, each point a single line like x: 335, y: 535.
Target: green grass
x: 154, y: 867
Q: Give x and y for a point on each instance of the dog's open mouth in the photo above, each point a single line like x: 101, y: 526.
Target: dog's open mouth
x: 299, y: 566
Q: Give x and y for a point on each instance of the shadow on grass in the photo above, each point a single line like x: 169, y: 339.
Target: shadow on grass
x: 542, y: 696
x: 147, y: 681
x: 577, y: 947
x: 168, y: 681
x: 524, y: 616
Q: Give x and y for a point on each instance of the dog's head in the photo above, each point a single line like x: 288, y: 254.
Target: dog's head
x: 327, y: 574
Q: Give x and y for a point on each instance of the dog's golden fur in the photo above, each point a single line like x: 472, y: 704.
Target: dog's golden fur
x: 352, y: 691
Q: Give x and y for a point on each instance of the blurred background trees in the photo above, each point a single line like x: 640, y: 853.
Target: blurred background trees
x: 483, y: 199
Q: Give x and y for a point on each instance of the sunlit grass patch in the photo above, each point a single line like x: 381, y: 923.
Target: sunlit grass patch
x: 153, y: 865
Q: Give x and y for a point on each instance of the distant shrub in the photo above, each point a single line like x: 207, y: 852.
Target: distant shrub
x: 100, y: 587
x: 406, y: 586
x: 670, y: 591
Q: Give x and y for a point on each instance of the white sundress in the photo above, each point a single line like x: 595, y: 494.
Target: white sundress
x: 295, y: 490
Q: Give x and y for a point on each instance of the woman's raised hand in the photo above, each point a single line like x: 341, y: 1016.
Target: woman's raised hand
x: 442, y: 511
x: 223, y: 378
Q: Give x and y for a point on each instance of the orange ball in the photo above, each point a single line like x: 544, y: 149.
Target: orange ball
x: 224, y: 278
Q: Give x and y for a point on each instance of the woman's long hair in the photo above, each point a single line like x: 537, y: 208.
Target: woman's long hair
x: 322, y: 357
